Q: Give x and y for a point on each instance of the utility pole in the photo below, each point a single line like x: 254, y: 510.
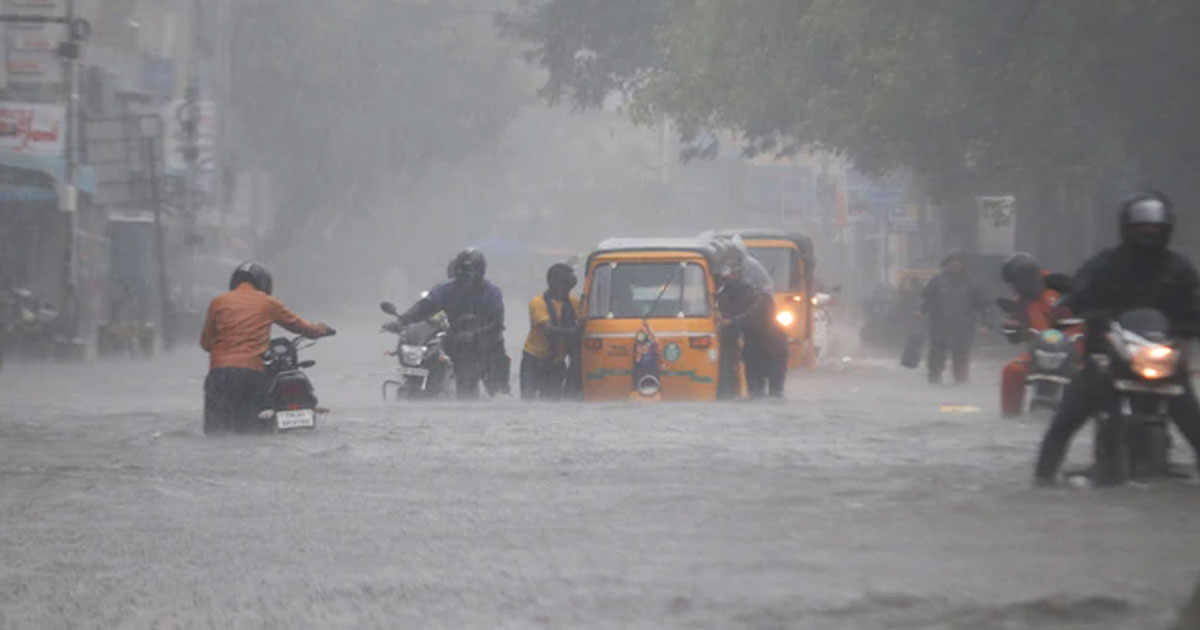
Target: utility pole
x: 223, y: 23
x: 166, y: 311
x: 188, y: 115
x: 69, y: 196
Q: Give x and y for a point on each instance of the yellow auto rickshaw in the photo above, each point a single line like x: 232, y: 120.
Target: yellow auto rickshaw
x: 651, y: 325
x: 791, y: 261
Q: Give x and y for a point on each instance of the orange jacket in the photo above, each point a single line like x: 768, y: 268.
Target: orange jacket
x: 238, y: 328
x: 1043, y: 313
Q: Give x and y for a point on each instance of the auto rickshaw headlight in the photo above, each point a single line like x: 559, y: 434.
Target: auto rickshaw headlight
x: 785, y: 318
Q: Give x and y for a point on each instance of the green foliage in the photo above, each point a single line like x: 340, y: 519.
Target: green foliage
x: 591, y: 48
x: 968, y: 93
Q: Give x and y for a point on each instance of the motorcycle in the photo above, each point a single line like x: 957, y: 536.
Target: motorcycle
x: 1053, y: 360
x: 425, y: 370
x: 289, y: 392
x: 1145, y: 364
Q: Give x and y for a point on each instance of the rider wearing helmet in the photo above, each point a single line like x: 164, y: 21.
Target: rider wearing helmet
x: 1036, y: 309
x: 236, y: 334
x: 475, y: 308
x: 1142, y: 272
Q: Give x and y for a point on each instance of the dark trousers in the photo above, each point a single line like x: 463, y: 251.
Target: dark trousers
x: 233, y: 397
x: 728, y: 381
x: 541, y: 378
x: 955, y: 347
x: 1087, y: 394
x: 766, y: 367
x: 482, y: 362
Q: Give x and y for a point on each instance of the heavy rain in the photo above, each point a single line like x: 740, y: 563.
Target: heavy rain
x: 599, y: 314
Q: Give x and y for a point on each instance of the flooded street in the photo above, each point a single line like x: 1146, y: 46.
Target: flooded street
x: 867, y: 500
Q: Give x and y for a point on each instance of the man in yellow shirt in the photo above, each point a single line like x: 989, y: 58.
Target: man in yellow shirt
x: 553, y: 339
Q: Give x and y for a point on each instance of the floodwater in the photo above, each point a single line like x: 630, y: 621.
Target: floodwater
x: 866, y: 500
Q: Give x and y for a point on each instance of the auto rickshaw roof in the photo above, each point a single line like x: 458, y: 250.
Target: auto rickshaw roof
x: 703, y: 247
x: 803, y: 242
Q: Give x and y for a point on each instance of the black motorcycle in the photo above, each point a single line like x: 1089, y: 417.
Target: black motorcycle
x: 425, y: 370
x: 293, y: 403
x: 1146, y: 367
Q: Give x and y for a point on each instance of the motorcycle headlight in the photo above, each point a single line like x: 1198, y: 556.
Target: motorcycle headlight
x: 279, y: 349
x: 785, y: 318
x: 412, y: 355
x: 1155, y: 361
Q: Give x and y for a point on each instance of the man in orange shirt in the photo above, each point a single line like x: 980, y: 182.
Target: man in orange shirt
x: 1037, y: 309
x: 553, y: 339
x: 236, y: 334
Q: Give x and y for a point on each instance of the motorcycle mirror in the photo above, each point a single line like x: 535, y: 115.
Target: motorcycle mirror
x: 307, y: 364
x: 388, y: 307
x: 1007, y: 305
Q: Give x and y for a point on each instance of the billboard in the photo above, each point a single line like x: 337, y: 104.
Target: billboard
x: 32, y: 128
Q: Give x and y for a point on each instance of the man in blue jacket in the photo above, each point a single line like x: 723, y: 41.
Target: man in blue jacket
x: 475, y: 308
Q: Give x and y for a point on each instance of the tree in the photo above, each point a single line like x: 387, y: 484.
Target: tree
x: 972, y: 95
x: 591, y: 48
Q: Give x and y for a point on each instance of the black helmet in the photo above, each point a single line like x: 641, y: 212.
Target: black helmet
x: 253, y: 273
x: 470, y: 266
x: 1022, y: 271
x: 561, y: 272
x: 1147, y: 220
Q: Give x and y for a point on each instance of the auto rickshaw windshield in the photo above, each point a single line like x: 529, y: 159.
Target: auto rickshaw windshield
x: 637, y: 290
x: 781, y: 264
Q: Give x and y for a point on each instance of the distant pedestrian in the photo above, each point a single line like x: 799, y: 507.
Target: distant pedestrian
x: 954, y: 306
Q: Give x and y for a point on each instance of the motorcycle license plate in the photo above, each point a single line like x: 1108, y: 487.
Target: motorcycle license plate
x: 295, y: 419
x: 411, y: 371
